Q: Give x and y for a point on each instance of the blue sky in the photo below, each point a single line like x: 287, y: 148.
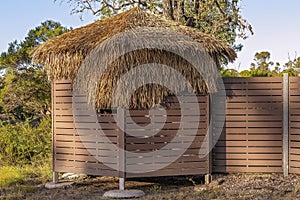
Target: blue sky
x: 275, y: 23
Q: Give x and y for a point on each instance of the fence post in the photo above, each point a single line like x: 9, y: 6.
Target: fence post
x: 54, y: 173
x: 208, y: 177
x: 121, y: 140
x: 285, y: 124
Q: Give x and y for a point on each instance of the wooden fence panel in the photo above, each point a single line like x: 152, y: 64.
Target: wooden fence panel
x: 71, y: 154
x: 294, y: 125
x: 251, y: 140
x: 74, y: 152
x: 164, y: 143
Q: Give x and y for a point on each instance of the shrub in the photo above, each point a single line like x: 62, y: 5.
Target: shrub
x: 22, y: 144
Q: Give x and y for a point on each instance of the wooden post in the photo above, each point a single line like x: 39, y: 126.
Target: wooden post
x: 55, y: 177
x: 285, y: 124
x: 208, y: 177
x: 55, y: 174
x: 121, y: 140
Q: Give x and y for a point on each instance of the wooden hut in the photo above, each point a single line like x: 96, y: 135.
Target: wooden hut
x: 64, y: 55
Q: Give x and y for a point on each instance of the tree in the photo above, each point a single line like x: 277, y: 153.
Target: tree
x: 18, y: 55
x: 25, y: 94
x: 25, y: 90
x: 229, y: 73
x: 262, y: 61
x: 264, y: 67
x: 221, y: 18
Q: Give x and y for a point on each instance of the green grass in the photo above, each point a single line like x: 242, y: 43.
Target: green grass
x: 12, y: 175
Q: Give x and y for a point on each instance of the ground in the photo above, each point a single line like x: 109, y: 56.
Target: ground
x: 224, y: 186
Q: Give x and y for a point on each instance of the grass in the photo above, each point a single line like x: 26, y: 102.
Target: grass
x: 10, y: 175
x: 28, y: 183
x: 13, y: 175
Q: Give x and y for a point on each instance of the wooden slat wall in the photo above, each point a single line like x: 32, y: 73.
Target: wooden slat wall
x: 190, y: 162
x: 70, y: 154
x: 251, y: 140
x: 294, y: 125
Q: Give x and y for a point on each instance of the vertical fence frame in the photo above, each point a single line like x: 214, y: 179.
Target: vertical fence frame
x: 55, y: 174
x: 121, y: 118
x: 285, y: 144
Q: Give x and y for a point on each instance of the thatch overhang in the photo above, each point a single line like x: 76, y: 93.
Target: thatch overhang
x: 65, y: 54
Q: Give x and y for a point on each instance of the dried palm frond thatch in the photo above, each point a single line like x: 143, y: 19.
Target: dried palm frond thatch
x: 64, y: 55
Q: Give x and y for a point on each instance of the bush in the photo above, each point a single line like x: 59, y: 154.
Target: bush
x: 22, y: 144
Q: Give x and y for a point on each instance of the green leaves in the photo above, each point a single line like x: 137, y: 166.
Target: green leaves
x: 22, y: 144
x: 221, y: 18
x: 18, y: 54
x: 263, y: 67
x: 25, y: 94
x: 24, y: 89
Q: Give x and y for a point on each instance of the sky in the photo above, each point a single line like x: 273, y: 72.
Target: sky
x: 275, y: 22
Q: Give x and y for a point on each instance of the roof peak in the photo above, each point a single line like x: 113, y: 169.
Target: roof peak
x: 63, y: 55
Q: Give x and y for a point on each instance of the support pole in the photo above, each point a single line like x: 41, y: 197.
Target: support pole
x: 285, y: 124
x: 121, y: 183
x: 208, y: 177
x: 55, y: 174
x: 121, y: 140
x: 55, y: 177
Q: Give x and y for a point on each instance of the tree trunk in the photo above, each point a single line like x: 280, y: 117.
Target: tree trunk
x: 168, y: 9
x: 179, y: 10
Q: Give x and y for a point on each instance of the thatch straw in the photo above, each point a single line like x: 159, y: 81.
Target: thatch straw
x: 109, y: 62
x: 64, y: 55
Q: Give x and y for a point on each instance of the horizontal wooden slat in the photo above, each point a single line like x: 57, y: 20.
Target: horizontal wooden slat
x: 264, y: 169
x: 177, y: 166
x: 256, y: 143
x: 294, y: 163
x: 157, y: 119
x: 90, y: 138
x: 223, y: 156
x: 155, y: 146
x: 164, y: 159
x: 243, y: 137
x: 246, y: 162
x: 84, y: 170
x: 249, y: 150
x: 169, y: 172
x: 165, y: 126
x: 86, y: 158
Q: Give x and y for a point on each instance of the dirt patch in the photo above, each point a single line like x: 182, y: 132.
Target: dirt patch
x: 230, y: 186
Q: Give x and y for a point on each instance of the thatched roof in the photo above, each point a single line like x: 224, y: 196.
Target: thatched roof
x: 64, y: 55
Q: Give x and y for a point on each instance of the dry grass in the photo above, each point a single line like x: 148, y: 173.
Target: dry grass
x: 232, y: 186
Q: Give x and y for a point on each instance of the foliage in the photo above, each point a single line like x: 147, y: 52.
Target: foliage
x: 22, y: 144
x: 221, y: 18
x: 229, y: 73
x: 263, y: 67
x: 18, y: 54
x: 25, y: 94
x: 24, y: 88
